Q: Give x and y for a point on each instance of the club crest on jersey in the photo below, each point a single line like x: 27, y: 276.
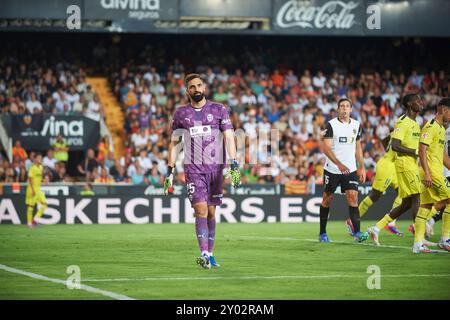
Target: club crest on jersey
x: 209, y: 117
x: 425, y: 135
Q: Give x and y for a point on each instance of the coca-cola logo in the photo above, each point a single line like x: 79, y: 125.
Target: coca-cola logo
x: 331, y: 15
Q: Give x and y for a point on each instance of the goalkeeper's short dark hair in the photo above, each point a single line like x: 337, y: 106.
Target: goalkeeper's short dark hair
x: 192, y: 76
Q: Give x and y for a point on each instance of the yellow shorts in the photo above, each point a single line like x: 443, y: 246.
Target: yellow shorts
x: 38, y: 198
x: 385, y: 176
x: 408, y: 183
x: 440, y: 190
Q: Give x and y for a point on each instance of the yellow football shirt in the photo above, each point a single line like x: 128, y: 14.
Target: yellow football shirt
x: 36, y: 172
x: 407, y: 131
x: 433, y: 135
x: 389, y: 154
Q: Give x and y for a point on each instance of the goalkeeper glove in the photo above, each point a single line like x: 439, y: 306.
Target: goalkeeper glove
x: 234, y: 174
x: 168, y: 181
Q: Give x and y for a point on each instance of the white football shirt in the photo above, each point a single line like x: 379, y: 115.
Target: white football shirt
x: 344, y: 137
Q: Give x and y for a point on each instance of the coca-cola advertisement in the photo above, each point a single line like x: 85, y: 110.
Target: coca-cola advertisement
x: 319, y: 16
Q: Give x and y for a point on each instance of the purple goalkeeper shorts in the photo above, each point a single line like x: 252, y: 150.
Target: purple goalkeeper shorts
x: 205, y: 187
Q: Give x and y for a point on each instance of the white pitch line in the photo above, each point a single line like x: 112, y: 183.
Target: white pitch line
x: 338, y: 242
x: 106, y: 293
x: 268, y: 277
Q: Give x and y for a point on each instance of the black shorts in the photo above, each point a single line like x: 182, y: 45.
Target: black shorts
x: 346, y: 181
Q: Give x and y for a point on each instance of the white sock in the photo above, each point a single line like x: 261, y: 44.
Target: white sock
x: 431, y: 222
x: 391, y: 223
x: 210, y: 254
x: 205, y: 252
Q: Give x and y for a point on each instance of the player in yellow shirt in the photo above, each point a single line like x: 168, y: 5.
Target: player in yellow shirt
x: 435, y: 188
x: 385, y: 177
x: 34, y: 194
x: 405, y: 142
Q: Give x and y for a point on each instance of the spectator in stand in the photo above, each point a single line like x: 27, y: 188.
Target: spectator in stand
x: 87, y: 190
x: 154, y: 178
x: 89, y: 94
x: 103, y: 149
x: 319, y: 80
x: 61, y: 150
x: 144, y: 117
x: 146, y: 97
x: 22, y: 176
x: 19, y: 151
x: 137, y: 175
x: 34, y: 105
x: 94, y: 106
x: 104, y: 177
x: 368, y: 161
x: 49, y: 160
x: 80, y: 106
x: 121, y: 175
x: 88, y: 165
x: 140, y: 140
x: 220, y: 96
x: 248, y: 98
x: 382, y: 130
x: 295, y: 125
x: 144, y: 161
x: 62, y: 105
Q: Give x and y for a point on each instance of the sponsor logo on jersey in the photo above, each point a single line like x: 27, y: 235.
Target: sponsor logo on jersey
x: 199, y: 131
x: 346, y: 139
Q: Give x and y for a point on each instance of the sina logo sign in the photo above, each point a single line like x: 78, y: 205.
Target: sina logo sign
x: 54, y: 127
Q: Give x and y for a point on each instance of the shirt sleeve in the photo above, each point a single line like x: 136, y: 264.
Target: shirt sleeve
x: 31, y: 173
x: 225, y: 121
x: 176, y: 121
x: 426, y: 136
x: 328, y: 131
x: 360, y: 132
x: 399, y: 132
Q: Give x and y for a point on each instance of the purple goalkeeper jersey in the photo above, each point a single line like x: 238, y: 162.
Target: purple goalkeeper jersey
x: 203, y: 145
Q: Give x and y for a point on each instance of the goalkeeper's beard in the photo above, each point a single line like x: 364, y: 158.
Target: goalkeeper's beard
x: 197, y: 97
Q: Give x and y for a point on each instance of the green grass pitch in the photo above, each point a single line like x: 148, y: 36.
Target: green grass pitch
x: 260, y: 261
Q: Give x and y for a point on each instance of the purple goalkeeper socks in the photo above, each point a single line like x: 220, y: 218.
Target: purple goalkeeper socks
x: 201, y: 229
x: 211, y: 234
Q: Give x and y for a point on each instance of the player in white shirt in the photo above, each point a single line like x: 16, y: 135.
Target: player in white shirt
x: 342, y: 148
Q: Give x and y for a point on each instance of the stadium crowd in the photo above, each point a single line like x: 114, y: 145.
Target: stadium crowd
x: 264, y: 88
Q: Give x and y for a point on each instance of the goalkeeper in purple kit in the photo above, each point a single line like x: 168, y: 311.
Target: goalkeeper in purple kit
x: 204, y: 126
